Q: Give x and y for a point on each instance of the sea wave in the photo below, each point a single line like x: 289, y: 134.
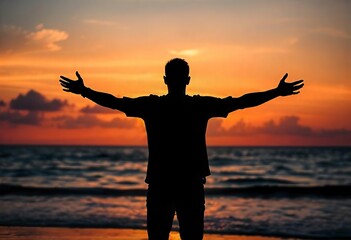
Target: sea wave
x: 257, y: 181
x: 339, y: 191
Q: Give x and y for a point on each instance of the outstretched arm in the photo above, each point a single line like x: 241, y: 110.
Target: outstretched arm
x: 101, y: 98
x: 257, y: 98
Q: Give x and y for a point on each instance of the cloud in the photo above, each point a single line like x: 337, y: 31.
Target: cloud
x: 15, y: 118
x: 334, y: 32
x: 15, y: 39
x: 31, y: 108
x: 215, y: 128
x: 270, y: 50
x: 288, y: 126
x: 47, y: 38
x: 88, y: 121
x: 185, y: 52
x: 34, y: 101
x: 97, y: 109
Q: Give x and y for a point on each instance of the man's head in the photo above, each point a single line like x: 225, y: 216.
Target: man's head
x: 176, y: 73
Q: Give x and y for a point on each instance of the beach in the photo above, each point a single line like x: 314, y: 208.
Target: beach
x: 51, y: 233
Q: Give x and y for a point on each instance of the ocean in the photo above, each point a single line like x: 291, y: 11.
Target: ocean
x: 297, y: 192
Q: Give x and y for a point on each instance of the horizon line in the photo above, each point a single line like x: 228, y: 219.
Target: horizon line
x: 146, y: 146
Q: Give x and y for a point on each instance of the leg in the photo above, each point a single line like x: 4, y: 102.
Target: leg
x: 190, y: 211
x: 160, y: 212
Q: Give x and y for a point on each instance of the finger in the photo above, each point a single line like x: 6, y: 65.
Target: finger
x: 284, y: 77
x: 297, y: 87
x: 78, y: 75
x: 67, y: 79
x: 66, y: 90
x: 296, y: 92
x: 297, y: 82
x: 64, y: 83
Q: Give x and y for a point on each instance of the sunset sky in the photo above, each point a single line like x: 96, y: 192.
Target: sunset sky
x: 121, y: 46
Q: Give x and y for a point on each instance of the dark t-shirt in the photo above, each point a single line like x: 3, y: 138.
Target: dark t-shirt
x: 176, y: 129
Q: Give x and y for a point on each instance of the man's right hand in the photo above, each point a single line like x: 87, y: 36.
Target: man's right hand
x: 73, y: 86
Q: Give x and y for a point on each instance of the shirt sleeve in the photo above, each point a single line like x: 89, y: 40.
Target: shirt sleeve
x: 136, y: 107
x: 217, y: 107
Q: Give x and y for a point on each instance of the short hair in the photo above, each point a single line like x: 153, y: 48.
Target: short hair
x: 177, y: 67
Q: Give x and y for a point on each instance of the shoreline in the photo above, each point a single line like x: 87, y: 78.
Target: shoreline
x: 73, y: 233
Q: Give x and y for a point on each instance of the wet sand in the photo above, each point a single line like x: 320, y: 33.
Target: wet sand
x: 50, y: 233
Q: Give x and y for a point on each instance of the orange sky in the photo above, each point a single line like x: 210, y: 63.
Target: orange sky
x: 121, y: 47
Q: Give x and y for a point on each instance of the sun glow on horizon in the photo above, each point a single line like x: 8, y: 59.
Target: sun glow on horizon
x: 121, y: 47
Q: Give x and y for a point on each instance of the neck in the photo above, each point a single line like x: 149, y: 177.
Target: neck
x: 176, y: 92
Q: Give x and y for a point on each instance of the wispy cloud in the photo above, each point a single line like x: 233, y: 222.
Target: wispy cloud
x: 284, y: 46
x: 270, y: 50
x: 15, y: 39
x: 96, y: 109
x: 47, y: 38
x: 292, y: 40
x: 333, y: 32
x: 88, y: 121
x: 185, y: 52
x: 16, y: 118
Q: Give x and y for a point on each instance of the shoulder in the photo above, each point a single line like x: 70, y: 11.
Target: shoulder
x: 213, y: 106
x: 142, y: 98
x: 210, y: 98
x: 154, y: 97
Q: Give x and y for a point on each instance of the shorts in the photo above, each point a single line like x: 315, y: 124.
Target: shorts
x: 186, y: 200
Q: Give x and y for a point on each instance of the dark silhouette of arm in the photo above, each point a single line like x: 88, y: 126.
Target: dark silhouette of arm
x: 101, y: 98
x: 258, y: 98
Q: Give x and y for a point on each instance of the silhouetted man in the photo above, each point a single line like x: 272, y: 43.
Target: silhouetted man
x: 176, y: 127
